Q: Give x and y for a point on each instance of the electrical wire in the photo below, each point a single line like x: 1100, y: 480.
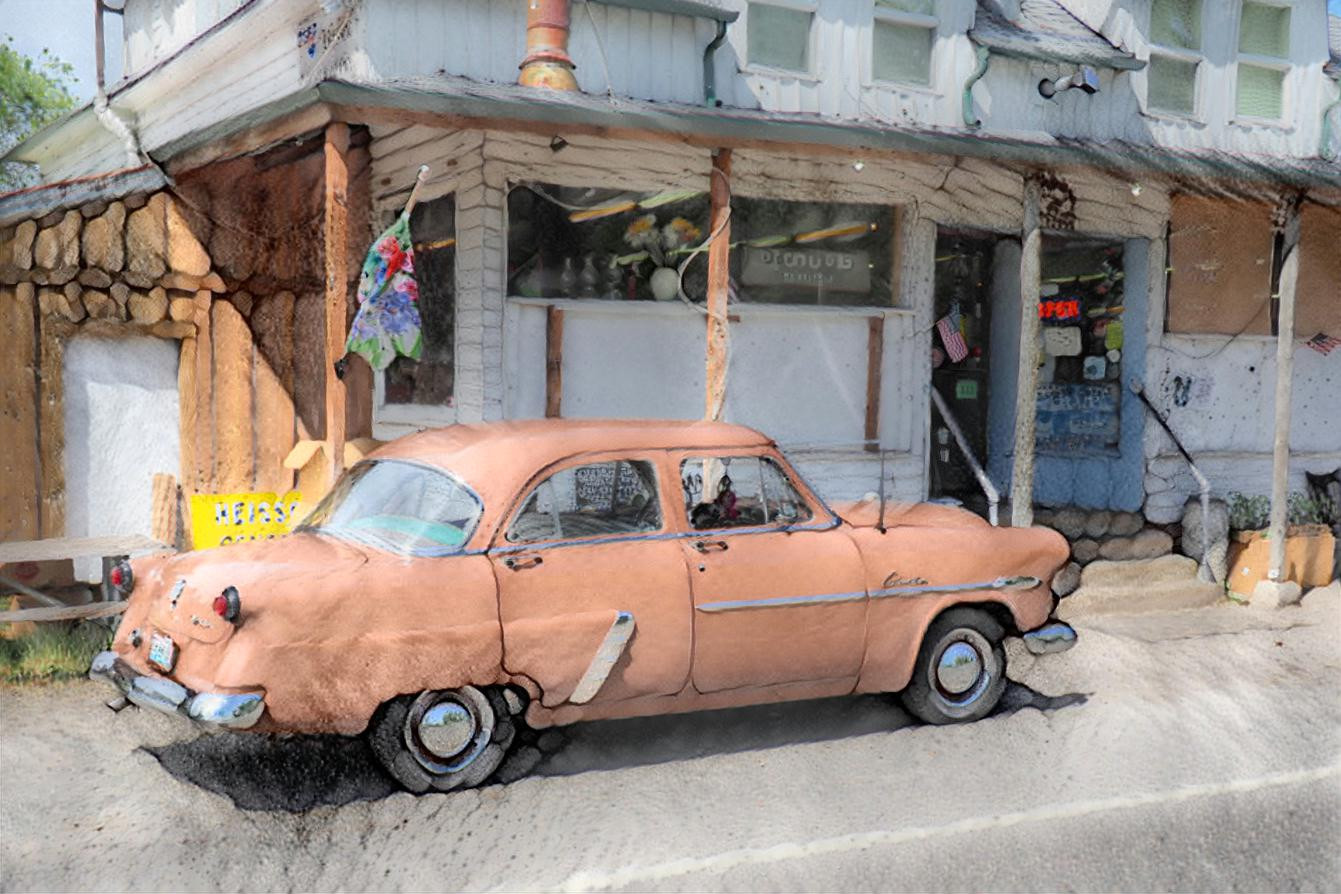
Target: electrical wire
x: 600, y: 49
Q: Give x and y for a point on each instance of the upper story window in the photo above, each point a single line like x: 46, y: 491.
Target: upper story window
x: 1175, y: 56
x: 1264, y: 59
x: 902, y: 36
x: 778, y: 35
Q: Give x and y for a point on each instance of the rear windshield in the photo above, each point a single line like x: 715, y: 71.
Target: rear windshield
x: 399, y: 506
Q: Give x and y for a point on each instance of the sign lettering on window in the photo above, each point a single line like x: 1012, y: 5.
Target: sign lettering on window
x: 838, y: 271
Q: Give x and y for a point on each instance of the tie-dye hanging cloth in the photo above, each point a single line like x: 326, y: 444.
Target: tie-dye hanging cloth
x: 388, y: 323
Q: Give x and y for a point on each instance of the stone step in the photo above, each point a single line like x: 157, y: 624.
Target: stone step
x: 1141, y: 585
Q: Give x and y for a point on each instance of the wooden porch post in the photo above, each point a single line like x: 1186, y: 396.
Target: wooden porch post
x: 719, y: 258
x: 337, y: 285
x: 1022, y: 472
x: 1280, y: 464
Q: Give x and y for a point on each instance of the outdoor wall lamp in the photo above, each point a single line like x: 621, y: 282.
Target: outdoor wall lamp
x: 1084, y: 78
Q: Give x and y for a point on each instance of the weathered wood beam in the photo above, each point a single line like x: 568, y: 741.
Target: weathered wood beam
x: 254, y: 139
x: 553, y: 362
x: 1280, y: 460
x: 51, y: 424
x: 875, y: 355
x: 719, y: 283
x: 337, y: 286
x: 1022, y: 472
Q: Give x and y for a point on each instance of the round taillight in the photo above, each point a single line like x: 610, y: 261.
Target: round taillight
x: 121, y: 577
x: 228, y: 605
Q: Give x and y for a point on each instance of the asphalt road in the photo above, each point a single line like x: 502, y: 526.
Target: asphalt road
x: 1197, y: 750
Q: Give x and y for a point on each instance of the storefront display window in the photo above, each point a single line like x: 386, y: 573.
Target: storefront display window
x: 1081, y: 316
x: 429, y: 379
x: 575, y: 242
x: 812, y: 253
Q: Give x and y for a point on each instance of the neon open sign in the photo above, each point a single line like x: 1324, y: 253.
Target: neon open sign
x: 1059, y: 310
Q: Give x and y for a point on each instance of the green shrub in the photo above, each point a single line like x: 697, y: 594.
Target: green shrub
x: 1248, y: 513
x: 1254, y: 513
x: 53, y: 651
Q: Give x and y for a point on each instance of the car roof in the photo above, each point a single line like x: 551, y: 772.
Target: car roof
x: 497, y: 458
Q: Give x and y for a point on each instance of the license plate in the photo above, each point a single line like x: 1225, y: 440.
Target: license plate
x: 162, y: 651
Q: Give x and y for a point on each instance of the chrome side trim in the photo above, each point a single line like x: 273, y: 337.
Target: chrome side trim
x: 735, y: 605
x: 611, y: 648
x: 1053, y: 637
x: 1001, y: 583
x: 715, y: 533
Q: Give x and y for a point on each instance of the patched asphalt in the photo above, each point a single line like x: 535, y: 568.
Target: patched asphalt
x: 1188, y: 750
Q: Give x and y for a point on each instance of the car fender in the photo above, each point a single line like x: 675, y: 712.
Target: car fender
x: 562, y: 652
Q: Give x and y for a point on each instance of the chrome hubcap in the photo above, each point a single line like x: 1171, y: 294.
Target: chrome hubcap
x: 958, y: 669
x: 446, y: 729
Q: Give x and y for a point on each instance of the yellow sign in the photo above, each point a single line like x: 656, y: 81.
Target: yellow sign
x: 220, y: 519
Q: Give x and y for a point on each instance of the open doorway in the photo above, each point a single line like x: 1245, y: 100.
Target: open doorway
x: 960, y: 355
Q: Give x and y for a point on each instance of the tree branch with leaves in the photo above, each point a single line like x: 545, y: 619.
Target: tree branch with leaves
x: 33, y: 92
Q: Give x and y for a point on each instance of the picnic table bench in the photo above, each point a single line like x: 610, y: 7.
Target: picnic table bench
x: 110, y: 549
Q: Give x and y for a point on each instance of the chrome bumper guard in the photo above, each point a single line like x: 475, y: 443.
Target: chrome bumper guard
x: 228, y: 710
x: 1051, y: 637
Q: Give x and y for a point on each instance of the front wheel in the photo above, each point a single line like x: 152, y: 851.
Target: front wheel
x: 442, y: 739
x: 961, y: 668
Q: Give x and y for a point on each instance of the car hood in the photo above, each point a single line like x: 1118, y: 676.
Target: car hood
x: 866, y: 514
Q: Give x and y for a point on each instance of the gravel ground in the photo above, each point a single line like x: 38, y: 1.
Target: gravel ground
x: 1190, y: 750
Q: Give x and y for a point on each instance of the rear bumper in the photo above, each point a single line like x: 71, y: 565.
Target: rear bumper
x: 1053, y: 636
x: 229, y: 710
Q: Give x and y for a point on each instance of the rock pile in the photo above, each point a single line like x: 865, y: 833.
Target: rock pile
x: 1102, y: 534
x: 133, y: 262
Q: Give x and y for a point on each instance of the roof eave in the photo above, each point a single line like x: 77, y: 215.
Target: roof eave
x: 1019, y: 50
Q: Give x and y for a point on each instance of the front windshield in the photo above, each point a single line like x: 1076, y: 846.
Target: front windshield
x: 398, y: 506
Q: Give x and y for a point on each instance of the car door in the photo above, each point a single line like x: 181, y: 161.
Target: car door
x: 777, y: 585
x: 593, y: 596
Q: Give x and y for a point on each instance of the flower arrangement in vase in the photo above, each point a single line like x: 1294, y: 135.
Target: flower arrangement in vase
x: 658, y: 244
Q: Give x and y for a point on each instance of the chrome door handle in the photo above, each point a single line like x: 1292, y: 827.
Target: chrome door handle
x: 517, y: 563
x: 710, y: 546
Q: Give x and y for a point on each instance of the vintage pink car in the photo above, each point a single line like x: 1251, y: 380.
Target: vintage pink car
x: 465, y: 580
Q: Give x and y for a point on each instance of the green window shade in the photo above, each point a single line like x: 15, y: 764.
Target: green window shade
x: 1176, y: 23
x: 779, y: 37
x: 901, y: 53
x: 922, y: 7
x: 1265, y: 30
x: 1260, y: 92
x: 1172, y: 85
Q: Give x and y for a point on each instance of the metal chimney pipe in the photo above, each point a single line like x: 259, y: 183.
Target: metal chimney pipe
x: 547, y: 63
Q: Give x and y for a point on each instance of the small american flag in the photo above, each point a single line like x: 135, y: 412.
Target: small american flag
x: 951, y: 337
x: 1323, y: 343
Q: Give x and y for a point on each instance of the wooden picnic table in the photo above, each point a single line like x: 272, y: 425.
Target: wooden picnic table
x: 109, y: 548
x: 57, y: 548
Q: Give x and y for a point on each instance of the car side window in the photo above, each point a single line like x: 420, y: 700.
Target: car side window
x: 614, y: 497
x: 738, y: 492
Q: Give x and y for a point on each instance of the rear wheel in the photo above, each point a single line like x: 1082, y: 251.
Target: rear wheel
x: 961, y: 668
x: 442, y: 739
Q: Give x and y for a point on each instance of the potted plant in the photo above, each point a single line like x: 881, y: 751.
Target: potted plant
x: 1309, y: 543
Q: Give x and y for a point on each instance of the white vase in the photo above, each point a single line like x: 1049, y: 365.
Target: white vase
x: 665, y: 283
